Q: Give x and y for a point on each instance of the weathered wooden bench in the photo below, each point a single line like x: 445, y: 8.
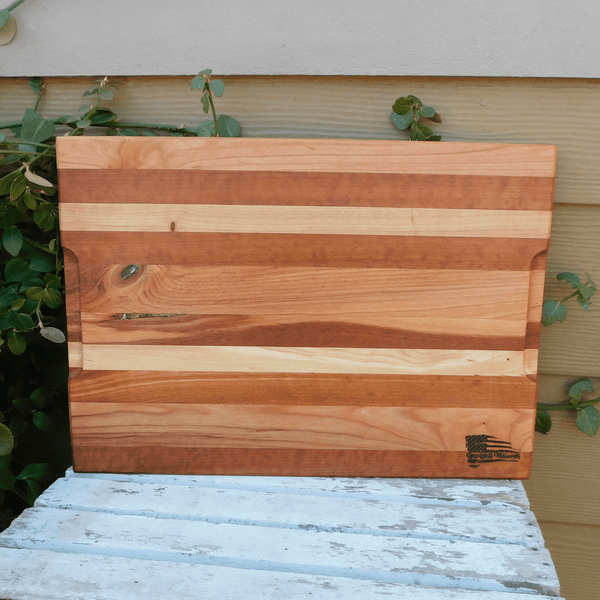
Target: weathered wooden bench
x: 313, y: 308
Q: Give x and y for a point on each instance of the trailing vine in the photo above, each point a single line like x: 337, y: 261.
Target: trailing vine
x: 34, y: 419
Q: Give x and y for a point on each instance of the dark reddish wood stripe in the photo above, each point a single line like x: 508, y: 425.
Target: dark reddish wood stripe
x: 285, y: 462
x: 532, y: 335
x: 283, y: 250
x: 304, y: 389
x: 72, y: 296
x: 154, y: 186
x: 241, y: 330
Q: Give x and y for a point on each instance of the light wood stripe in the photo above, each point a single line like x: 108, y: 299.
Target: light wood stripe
x: 387, y: 295
x: 229, y: 359
x: 306, y: 219
x: 294, y: 155
x: 315, y: 427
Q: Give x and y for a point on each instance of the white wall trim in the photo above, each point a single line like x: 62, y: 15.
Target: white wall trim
x: 508, y: 38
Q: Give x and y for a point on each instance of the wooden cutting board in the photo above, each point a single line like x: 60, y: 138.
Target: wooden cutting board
x: 304, y: 307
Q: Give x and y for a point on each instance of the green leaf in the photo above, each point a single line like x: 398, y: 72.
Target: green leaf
x: 101, y: 116
x: 7, y: 441
x: 588, y: 420
x: 22, y: 322
x: 7, y: 479
x: 35, y: 471
x: 106, y: 94
x: 127, y: 132
x: 205, y: 104
x: 6, y: 182
x: 571, y: 278
x: 30, y: 200
x: 42, y: 421
x: 403, y: 106
x: 17, y: 269
x: 424, y: 134
x: 205, y: 129
x: 36, y: 129
x: 53, y: 281
x: 583, y: 302
x: 402, y: 121
x: 218, y: 87
x: 4, y: 16
x: 553, y: 311
x: 82, y: 123
x: 18, y: 425
x: 149, y: 133
x: 44, y: 217
x: 34, y: 490
x: 51, y: 298
x: 586, y: 290
x: 17, y: 304
x: 16, y: 343
x: 543, y: 421
x: 93, y: 91
x: 54, y: 335
x: 427, y: 111
x: 18, y: 186
x: 36, y: 84
x: 2, y: 137
x: 24, y: 405
x: 42, y: 263
x: 206, y: 72
x: 228, y: 126
x: 197, y: 82
x: 577, y: 389
x: 12, y: 240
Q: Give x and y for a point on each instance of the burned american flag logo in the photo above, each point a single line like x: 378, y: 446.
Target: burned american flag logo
x: 488, y: 449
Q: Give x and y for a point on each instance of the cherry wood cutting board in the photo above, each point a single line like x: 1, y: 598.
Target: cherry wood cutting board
x: 304, y: 307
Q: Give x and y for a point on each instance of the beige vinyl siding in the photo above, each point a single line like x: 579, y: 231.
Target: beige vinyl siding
x: 564, y: 489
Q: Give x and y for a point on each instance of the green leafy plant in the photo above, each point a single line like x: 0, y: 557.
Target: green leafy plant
x: 223, y: 125
x: 409, y: 113
x: 34, y: 419
x: 553, y: 311
x: 587, y: 416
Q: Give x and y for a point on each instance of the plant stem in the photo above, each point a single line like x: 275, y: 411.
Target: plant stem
x: 568, y: 406
x: 173, y: 128
x: 38, y: 245
x: 214, y: 112
x: 569, y: 297
x: 15, y: 4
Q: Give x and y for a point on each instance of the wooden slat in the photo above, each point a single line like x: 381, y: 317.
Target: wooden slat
x: 158, y: 186
x: 430, y: 222
x: 362, y: 156
x: 310, y: 463
x: 380, y: 296
x: 315, y: 427
x: 304, y: 389
x: 232, y: 359
x: 33, y: 573
x: 347, y: 330
x: 479, y: 254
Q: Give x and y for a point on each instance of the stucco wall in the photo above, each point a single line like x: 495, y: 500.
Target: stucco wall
x: 516, y: 38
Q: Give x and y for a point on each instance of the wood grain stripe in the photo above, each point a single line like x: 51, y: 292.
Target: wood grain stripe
x: 306, y: 220
x: 299, y: 155
x: 308, y: 463
x: 363, y: 330
x: 273, y: 250
x: 304, y: 389
x: 322, y: 427
x: 159, y: 186
x: 376, y: 296
x: 302, y: 360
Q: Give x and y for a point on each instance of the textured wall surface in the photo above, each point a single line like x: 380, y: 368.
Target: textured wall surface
x: 537, y: 38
